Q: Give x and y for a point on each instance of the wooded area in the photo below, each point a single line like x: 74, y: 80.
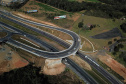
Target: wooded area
x: 111, y: 8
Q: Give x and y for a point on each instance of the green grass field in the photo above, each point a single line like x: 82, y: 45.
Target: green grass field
x: 48, y: 8
x: 105, y: 25
x: 45, y: 7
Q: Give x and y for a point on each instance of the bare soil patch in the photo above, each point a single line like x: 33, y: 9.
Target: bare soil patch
x: 20, y: 63
x: 114, y: 65
x: 53, y: 67
x: 10, y: 60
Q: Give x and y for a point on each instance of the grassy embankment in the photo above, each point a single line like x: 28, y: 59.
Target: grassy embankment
x: 98, y: 77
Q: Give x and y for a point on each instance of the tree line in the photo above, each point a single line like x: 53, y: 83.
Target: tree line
x: 108, y: 9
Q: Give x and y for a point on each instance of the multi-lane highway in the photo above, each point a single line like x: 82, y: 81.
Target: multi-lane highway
x: 83, y: 73
x: 84, y: 57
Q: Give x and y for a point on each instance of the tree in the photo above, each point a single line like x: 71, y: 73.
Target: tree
x: 123, y: 27
x: 116, y: 48
x: 114, y: 53
x: 80, y: 24
x: 110, y: 42
x: 123, y: 55
x: 92, y: 26
x: 115, y: 39
x: 120, y: 45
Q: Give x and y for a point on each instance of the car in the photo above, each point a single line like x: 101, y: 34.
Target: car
x: 74, y: 48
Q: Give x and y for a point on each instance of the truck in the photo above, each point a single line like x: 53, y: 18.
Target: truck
x: 32, y: 11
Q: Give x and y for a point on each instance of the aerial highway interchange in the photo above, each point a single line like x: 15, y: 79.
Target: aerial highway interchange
x: 55, y: 54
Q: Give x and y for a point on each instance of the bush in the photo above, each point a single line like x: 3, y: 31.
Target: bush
x: 115, y: 39
x: 114, y: 53
x: 116, y: 48
x: 123, y: 55
x: 123, y: 27
x: 80, y: 24
x: 120, y: 45
x: 110, y: 42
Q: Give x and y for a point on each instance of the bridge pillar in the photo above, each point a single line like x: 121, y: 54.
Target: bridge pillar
x: 53, y: 66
